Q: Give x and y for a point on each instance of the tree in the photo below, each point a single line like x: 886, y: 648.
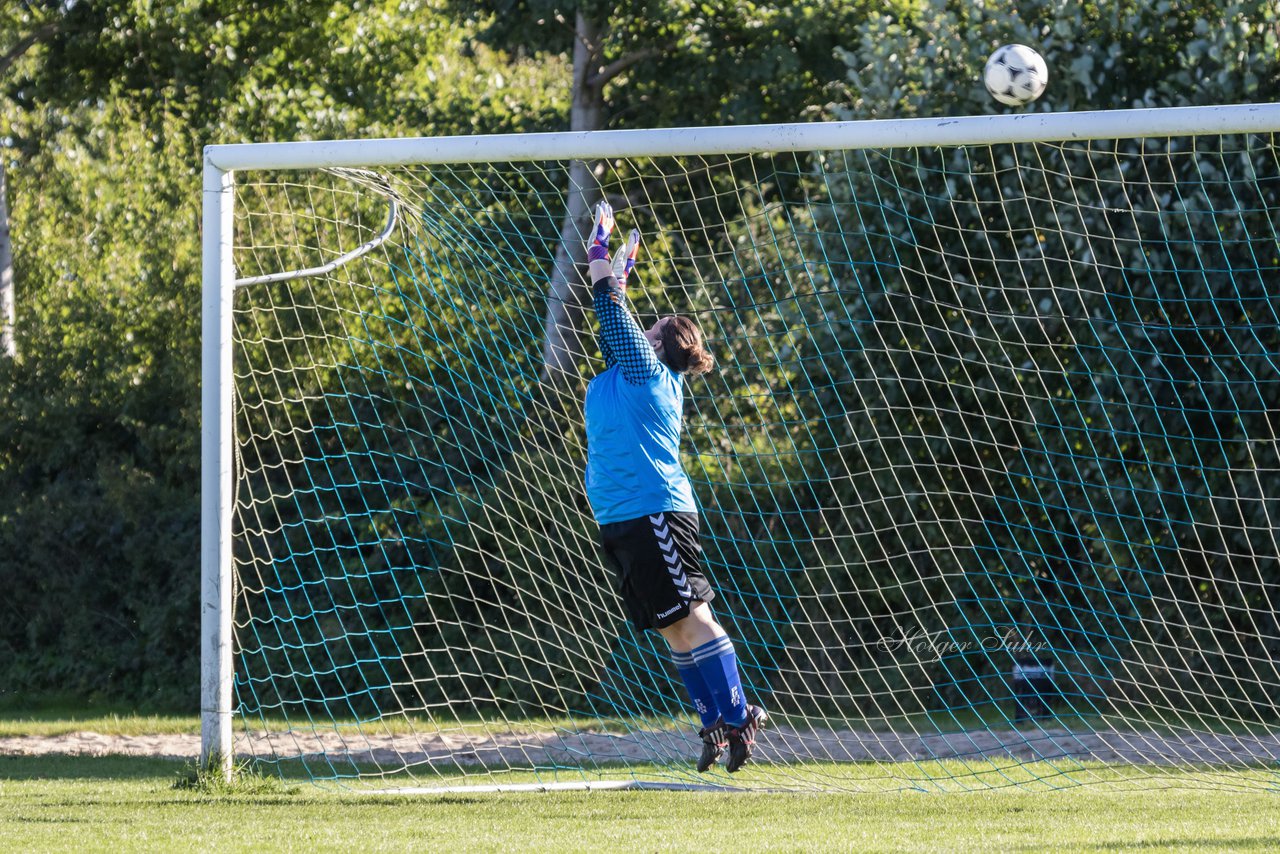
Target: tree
x: 8, y: 346
x: 661, y: 63
x: 22, y: 28
x: 99, y: 461
x: 1097, y: 409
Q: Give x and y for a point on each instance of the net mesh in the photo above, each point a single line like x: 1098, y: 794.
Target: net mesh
x: 985, y: 469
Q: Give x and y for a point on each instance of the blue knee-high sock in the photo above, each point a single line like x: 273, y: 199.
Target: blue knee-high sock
x: 718, y: 665
x: 699, y: 693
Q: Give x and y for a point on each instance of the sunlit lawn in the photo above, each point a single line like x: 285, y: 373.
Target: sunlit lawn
x: 123, y: 804
x: 119, y: 803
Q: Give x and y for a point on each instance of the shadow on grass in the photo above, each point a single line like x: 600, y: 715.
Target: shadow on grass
x: 62, y: 767
x: 57, y: 707
x: 371, y: 803
x: 265, y: 779
x: 1211, y: 843
x: 173, y: 774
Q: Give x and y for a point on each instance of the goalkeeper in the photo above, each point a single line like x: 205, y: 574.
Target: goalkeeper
x: 643, y: 501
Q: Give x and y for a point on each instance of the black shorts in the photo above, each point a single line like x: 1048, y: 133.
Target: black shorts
x: 659, y: 566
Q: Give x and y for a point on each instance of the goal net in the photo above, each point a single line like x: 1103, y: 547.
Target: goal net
x: 987, y: 468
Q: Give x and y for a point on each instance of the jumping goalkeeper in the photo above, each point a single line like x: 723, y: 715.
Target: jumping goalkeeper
x: 643, y: 501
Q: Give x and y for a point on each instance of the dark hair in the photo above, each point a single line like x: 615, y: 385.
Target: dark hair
x: 682, y: 347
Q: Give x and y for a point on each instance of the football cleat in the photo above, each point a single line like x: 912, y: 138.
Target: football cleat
x: 743, y: 738
x: 714, y: 741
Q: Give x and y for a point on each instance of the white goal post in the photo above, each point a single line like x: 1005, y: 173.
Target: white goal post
x: 222, y: 163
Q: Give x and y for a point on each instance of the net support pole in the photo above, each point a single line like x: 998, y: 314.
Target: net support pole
x: 218, y: 274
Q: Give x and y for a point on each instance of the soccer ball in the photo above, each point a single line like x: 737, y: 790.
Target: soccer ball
x: 1015, y: 75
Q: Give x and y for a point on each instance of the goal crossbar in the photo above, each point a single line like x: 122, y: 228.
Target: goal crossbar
x: 748, y: 139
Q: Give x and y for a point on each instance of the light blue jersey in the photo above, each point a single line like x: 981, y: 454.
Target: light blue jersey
x: 633, y: 446
x: 633, y: 412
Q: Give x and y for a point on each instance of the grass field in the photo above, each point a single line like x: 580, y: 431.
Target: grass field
x: 127, y: 804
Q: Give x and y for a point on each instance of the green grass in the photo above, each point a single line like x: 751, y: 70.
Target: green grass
x: 126, y: 804
x: 108, y: 724
x: 57, y: 715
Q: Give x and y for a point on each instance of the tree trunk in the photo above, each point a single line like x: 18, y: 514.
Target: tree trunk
x: 8, y: 344
x: 566, y: 293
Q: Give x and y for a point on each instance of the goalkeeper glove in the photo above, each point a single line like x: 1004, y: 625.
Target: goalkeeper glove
x: 598, y: 240
x: 624, y: 260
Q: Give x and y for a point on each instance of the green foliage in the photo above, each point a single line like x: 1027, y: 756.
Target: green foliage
x: 98, y: 445
x: 1042, y: 549
x: 755, y: 62
x: 97, y: 453
x: 925, y: 58
x: 99, y: 467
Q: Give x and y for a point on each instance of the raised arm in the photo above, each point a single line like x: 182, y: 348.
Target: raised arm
x: 605, y: 350
x: 622, y: 342
x: 628, y: 347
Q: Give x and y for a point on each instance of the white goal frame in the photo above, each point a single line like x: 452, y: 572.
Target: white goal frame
x: 221, y: 162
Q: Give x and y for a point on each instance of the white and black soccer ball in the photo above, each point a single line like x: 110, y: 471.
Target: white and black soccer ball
x: 1015, y: 75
